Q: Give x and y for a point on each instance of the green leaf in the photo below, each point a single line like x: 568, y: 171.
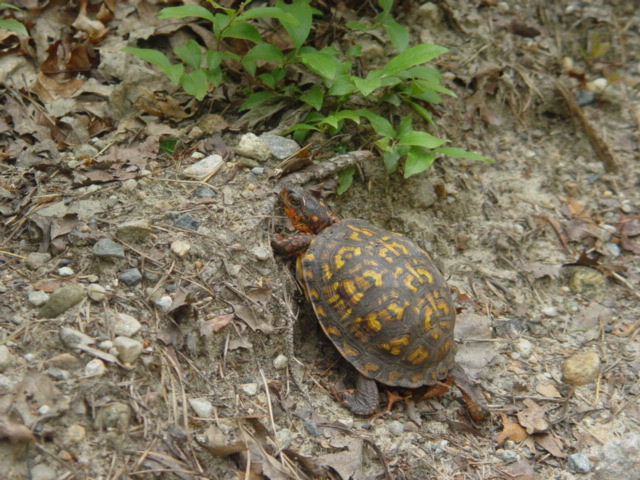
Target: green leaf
x: 324, y: 65
x: 186, y: 11
x: 14, y: 25
x: 214, y: 76
x: 243, y: 31
x: 345, y: 179
x: 302, y: 126
x: 220, y: 22
x: 265, y: 52
x: 423, y: 112
x: 397, y: 34
x: 228, y: 11
x: 355, y: 51
x: 426, y: 85
x: 313, y: 97
x: 195, y: 83
x: 411, y: 57
x: 367, y: 85
x: 190, y: 54
x: 391, y: 159
x: 213, y: 59
x: 385, y: 5
x: 256, y: 99
x: 420, y: 139
x: 154, y: 57
x: 303, y: 13
x: 381, y: 125
x: 405, y: 126
x: 461, y: 153
x: 418, y: 160
x: 342, y: 85
x: 357, y: 26
x: 270, y: 12
x: 168, y: 144
x: 422, y: 72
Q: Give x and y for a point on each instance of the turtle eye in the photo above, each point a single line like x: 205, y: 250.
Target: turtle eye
x: 295, y: 200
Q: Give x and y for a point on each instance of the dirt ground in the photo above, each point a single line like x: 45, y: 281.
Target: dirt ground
x: 210, y: 365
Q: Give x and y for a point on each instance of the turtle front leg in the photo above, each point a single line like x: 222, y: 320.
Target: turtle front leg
x: 364, y: 401
x: 291, y: 245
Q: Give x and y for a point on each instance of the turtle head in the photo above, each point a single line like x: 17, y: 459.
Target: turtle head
x: 307, y: 213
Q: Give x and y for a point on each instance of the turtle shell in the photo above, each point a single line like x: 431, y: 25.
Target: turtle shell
x: 382, y: 302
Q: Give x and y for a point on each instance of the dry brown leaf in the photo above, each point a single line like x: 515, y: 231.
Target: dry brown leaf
x: 521, y: 470
x: 511, y: 431
x: 532, y: 417
x: 14, y: 432
x: 208, y: 327
x: 548, y: 390
x: 550, y: 443
x: 347, y: 463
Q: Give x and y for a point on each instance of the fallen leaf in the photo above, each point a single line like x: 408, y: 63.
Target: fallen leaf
x: 208, y: 327
x: 521, y: 470
x: 532, y: 417
x: 548, y: 390
x: 550, y: 443
x: 511, y: 431
x: 540, y: 270
x: 14, y: 432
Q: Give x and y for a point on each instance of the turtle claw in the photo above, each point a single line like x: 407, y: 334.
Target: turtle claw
x: 364, y: 401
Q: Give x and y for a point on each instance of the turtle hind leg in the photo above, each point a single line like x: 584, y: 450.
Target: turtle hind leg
x: 365, y: 400
x: 476, y: 404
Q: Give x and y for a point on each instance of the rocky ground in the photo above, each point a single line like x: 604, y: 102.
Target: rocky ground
x: 146, y: 329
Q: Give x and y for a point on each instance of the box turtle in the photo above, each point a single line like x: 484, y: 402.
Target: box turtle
x: 379, y: 298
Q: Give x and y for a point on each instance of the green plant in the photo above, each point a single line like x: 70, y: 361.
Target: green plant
x: 11, y: 24
x: 404, y: 80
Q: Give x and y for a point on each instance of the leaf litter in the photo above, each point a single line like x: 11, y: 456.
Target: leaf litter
x: 80, y: 119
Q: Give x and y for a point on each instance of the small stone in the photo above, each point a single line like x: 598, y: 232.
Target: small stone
x: 202, y: 407
x: 37, y: 298
x: 204, y: 192
x: 311, y: 428
x: 134, y: 231
x: 42, y: 472
x: 76, y: 433
x: 249, y: 388
x: 5, y: 358
x: 261, y: 253
x: 131, y: 277
x: 584, y: 97
x: 66, y: 272
x: 581, y: 368
x: 280, y: 147
x: 43, y: 410
x: 125, y: 325
x: 64, y: 360
x: 613, y: 249
x: 186, y: 221
x: 96, y: 292
x: 586, y: 281
x: 371, y: 49
x: 72, y: 338
x: 114, y: 415
x: 128, y: 349
x: 280, y: 362
x: 284, y: 437
x: 180, y: 248
x: 204, y: 166
x: 108, y: 248
x: 164, y: 303
x: 619, y: 459
x: 579, y: 463
x: 396, y: 427
x: 29, y: 357
x: 550, y: 312
x: 252, y: 147
x: 257, y: 171
x: 106, y: 345
x: 58, y: 373
x: 37, y: 259
x: 61, y: 300
x: 430, y: 13
x: 507, y: 456
x: 129, y: 185
x: 524, y: 347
